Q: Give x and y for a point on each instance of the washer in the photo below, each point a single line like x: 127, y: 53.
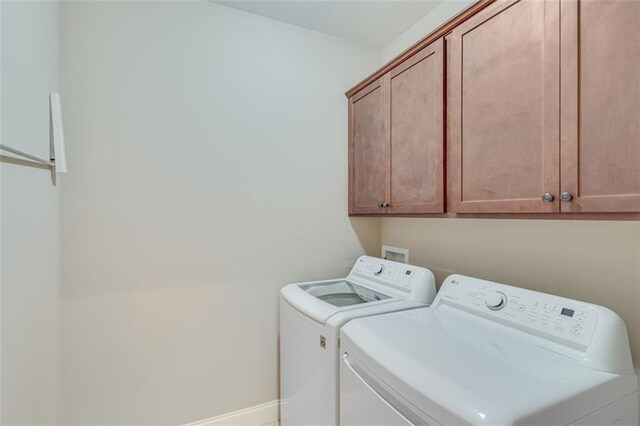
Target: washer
x: 489, y: 354
x: 311, y: 315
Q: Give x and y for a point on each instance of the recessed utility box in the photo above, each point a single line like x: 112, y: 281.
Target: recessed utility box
x: 395, y: 254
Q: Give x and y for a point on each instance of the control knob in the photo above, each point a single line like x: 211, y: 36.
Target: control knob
x: 496, y: 301
x: 376, y: 268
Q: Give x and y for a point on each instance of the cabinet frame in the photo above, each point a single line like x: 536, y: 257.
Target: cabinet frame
x: 384, y: 84
x: 551, y: 125
x: 570, y: 102
x: 374, y: 209
x: 561, y: 138
x: 435, y: 49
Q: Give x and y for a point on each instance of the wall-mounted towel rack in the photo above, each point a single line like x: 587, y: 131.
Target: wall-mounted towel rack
x: 58, y: 156
x: 28, y: 156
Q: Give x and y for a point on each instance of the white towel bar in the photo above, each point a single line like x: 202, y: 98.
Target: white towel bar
x: 28, y: 156
x: 58, y: 157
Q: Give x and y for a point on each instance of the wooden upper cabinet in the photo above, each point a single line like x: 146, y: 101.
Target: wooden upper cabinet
x: 368, y: 143
x: 542, y: 115
x: 417, y: 126
x: 600, y: 105
x: 504, y: 109
x: 396, y: 144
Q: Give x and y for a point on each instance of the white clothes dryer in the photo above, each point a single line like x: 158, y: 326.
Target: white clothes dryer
x: 489, y: 354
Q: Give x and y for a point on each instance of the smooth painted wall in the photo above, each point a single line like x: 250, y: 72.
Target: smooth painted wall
x: 444, y: 11
x: 207, y: 156
x: 29, y: 218
x: 594, y: 261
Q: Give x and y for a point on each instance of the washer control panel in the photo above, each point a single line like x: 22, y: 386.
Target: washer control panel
x: 544, y: 314
x: 396, y: 274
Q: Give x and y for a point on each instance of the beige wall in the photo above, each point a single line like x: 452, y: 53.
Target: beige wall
x: 29, y: 218
x: 207, y: 158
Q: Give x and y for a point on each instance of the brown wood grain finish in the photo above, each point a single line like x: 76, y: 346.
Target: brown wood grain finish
x: 368, y: 140
x: 449, y: 159
x: 416, y: 142
x: 541, y: 96
x: 600, y: 105
x: 504, y: 109
x: 523, y: 216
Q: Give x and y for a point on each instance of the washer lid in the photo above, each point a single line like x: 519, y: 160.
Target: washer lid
x: 459, y: 369
x: 323, y: 299
x: 343, y: 293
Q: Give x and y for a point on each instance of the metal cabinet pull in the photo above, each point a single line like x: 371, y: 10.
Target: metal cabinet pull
x: 385, y: 205
x: 565, y: 197
x: 547, y: 197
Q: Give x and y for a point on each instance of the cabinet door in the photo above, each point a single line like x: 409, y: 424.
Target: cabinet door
x: 417, y: 142
x: 368, y: 145
x: 504, y: 109
x: 600, y: 105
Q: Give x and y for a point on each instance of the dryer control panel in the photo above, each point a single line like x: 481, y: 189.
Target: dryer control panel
x: 544, y: 313
x: 552, y: 321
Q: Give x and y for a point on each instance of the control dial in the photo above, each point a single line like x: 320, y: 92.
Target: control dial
x: 376, y: 268
x: 496, y: 301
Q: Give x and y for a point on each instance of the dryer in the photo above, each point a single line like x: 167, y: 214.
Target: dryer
x: 489, y: 354
x: 311, y: 316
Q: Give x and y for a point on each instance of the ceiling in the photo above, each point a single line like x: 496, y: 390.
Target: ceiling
x: 372, y: 22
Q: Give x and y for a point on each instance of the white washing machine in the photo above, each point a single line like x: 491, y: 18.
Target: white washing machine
x: 489, y: 354
x: 311, y: 315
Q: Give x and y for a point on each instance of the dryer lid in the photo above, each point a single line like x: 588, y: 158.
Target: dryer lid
x: 458, y: 369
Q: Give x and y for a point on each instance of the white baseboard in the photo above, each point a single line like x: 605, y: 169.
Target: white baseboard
x: 257, y: 415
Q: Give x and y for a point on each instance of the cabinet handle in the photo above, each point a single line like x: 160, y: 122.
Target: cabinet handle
x: 547, y: 197
x: 380, y: 205
x: 385, y: 205
x: 565, y: 197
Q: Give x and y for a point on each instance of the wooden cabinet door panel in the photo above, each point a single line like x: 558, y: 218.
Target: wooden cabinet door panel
x: 600, y: 105
x: 368, y: 142
x: 504, y: 109
x: 417, y: 144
